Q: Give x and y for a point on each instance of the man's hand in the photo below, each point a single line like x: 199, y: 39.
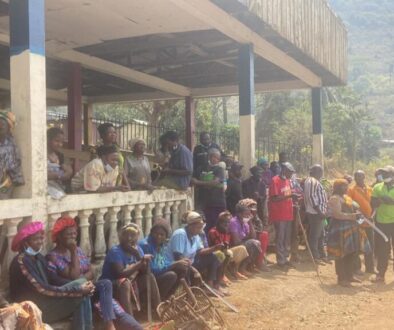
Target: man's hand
x: 88, y: 288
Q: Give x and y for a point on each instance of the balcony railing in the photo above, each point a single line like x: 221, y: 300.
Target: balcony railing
x: 99, y: 216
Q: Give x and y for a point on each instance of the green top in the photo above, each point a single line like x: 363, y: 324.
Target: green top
x: 385, y: 212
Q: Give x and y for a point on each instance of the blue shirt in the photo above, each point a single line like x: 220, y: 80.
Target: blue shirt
x: 161, y: 259
x: 181, y: 159
x: 180, y: 243
x: 117, y: 256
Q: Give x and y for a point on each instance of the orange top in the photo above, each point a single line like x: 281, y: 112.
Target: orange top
x: 362, y: 196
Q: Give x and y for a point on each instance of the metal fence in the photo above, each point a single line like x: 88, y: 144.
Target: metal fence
x: 228, y: 140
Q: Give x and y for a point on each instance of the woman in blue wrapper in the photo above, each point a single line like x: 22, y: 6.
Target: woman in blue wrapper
x: 167, y: 271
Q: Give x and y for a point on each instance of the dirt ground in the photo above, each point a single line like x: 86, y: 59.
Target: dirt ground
x: 296, y: 300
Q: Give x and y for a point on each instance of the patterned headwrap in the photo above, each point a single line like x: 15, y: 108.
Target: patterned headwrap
x: 25, y: 232
x: 61, y: 224
x: 131, y: 227
x: 339, y: 182
x: 134, y: 141
x: 192, y: 217
x: 248, y: 202
x: 9, y: 117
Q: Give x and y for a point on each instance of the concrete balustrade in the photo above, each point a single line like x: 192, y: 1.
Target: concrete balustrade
x: 99, y: 216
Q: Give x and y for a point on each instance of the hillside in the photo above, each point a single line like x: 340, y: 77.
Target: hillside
x: 371, y: 47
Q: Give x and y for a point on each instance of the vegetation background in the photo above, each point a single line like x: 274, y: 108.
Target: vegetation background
x: 357, y: 118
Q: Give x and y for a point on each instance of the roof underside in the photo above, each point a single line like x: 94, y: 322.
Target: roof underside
x: 153, y: 37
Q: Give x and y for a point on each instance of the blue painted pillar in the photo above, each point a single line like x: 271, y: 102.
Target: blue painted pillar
x: 246, y: 106
x: 28, y: 96
x: 317, y: 126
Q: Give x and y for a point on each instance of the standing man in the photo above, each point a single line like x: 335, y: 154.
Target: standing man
x: 212, y: 189
x: 281, y: 213
x: 361, y: 193
x: 201, y: 163
x: 234, y: 187
x: 200, y: 154
x: 255, y: 188
x: 383, y: 202
x: 178, y: 173
x: 315, y: 199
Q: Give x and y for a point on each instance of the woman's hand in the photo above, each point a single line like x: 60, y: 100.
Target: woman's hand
x: 88, y: 288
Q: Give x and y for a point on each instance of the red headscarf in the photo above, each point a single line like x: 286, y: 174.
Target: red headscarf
x: 61, y: 224
x: 24, y: 232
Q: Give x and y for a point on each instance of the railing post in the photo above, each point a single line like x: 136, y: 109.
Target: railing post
x: 85, y: 243
x: 51, y: 222
x: 167, y: 211
x: 127, y: 209
x: 11, y: 226
x: 113, y: 221
x: 159, y: 210
x: 138, y: 218
x: 175, y: 215
x: 148, y: 218
x: 99, y: 244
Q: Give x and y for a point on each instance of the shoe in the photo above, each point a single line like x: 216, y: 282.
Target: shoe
x: 282, y: 267
x: 290, y: 264
x: 378, y: 279
x: 359, y: 273
x: 355, y: 280
x: 345, y: 284
x: 371, y: 271
x: 327, y: 261
x: 320, y: 262
x: 240, y: 276
x: 265, y: 269
x: 295, y: 259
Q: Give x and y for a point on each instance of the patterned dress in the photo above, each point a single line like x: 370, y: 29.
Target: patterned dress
x: 345, y: 236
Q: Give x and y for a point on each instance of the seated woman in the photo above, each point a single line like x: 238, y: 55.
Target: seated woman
x: 59, y: 173
x: 261, y: 234
x: 242, y: 233
x: 29, y: 280
x: 138, y: 168
x: 186, y: 243
x: 10, y: 160
x: 346, y: 239
x: 101, y: 174
x: 231, y: 256
x: 125, y: 265
x: 108, y: 137
x: 67, y: 262
x: 167, y: 272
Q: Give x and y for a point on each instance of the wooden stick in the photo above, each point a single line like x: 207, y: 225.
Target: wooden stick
x: 298, y: 218
x: 149, y: 293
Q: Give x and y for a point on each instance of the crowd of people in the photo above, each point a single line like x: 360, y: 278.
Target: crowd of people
x: 224, y: 239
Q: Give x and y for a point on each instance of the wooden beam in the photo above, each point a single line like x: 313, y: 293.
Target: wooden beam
x: 212, y: 91
x: 113, y: 69
x: 51, y: 93
x: 207, y: 12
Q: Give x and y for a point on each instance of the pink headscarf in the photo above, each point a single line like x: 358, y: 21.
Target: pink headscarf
x: 26, y: 231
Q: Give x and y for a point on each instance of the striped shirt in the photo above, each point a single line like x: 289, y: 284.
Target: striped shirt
x: 314, y: 196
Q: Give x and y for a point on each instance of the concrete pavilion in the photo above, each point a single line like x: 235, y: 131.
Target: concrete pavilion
x: 100, y: 51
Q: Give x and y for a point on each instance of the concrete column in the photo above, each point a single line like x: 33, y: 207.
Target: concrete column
x: 28, y: 96
x: 317, y: 127
x: 88, y: 124
x: 190, y: 122
x: 246, y: 106
x: 74, y: 96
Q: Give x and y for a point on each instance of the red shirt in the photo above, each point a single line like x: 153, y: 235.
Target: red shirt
x: 283, y: 210
x: 216, y: 237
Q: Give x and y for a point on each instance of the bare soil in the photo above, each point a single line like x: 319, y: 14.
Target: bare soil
x: 296, y: 300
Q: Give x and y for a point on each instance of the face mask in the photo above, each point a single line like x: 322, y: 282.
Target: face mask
x: 387, y: 180
x: 31, y: 252
x: 108, y: 168
x: 380, y: 178
x: 245, y: 220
